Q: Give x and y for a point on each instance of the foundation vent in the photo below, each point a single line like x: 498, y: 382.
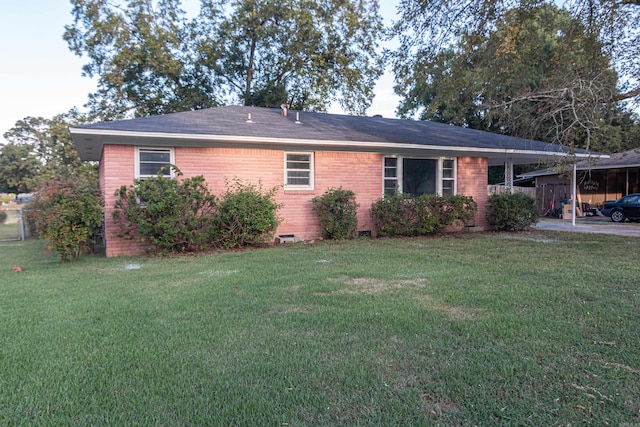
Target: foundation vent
x: 287, y: 238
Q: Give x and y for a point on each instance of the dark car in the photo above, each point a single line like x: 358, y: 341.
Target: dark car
x: 627, y: 207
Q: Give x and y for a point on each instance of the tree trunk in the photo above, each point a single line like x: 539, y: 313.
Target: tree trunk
x: 247, y: 90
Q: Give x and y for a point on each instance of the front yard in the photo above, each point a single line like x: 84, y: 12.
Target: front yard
x: 484, y: 329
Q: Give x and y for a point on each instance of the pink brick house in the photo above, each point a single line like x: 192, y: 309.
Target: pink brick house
x: 303, y: 154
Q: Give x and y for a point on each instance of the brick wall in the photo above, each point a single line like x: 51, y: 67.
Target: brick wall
x: 472, y: 180
x: 117, y: 168
x: 359, y: 172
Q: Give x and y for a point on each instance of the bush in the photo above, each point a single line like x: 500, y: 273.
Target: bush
x: 457, y: 210
x: 337, y: 209
x: 173, y: 215
x: 246, y: 215
x: 3, y: 217
x: 169, y: 214
x: 69, y: 214
x: 6, y: 198
x: 511, y: 212
x: 409, y: 215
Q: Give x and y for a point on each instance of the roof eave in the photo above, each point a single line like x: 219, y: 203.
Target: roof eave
x: 89, y: 144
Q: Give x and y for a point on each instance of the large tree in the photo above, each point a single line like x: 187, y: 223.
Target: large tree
x: 149, y: 58
x: 140, y: 52
x: 525, y: 78
x: 40, y: 149
x: 18, y: 168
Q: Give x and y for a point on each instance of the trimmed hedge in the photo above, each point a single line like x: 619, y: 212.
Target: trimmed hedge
x: 512, y: 212
x: 409, y: 215
x: 246, y: 216
x: 338, y: 210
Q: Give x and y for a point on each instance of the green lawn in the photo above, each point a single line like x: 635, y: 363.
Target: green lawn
x: 477, y: 329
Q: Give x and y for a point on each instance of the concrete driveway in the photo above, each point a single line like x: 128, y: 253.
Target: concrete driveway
x: 595, y: 225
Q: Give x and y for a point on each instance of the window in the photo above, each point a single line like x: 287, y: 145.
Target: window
x: 419, y: 176
x: 298, y: 171
x: 150, y: 161
x: 390, y: 175
x: 448, y: 177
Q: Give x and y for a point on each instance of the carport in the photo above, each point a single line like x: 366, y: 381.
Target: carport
x: 562, y: 155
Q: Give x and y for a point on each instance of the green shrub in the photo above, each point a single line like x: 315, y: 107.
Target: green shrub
x: 337, y: 209
x: 246, y: 215
x: 69, y: 214
x: 3, y: 217
x: 457, y: 210
x: 511, y: 212
x: 6, y: 198
x: 180, y: 215
x: 409, y: 215
x: 171, y: 215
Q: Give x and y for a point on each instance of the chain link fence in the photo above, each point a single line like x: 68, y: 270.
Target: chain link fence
x: 13, y: 225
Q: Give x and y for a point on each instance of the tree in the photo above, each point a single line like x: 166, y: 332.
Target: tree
x: 530, y: 51
x: 150, y: 59
x: 47, y: 150
x: 141, y: 56
x: 570, y: 104
x: 18, y: 167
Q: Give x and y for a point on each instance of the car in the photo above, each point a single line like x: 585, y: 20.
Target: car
x: 627, y: 207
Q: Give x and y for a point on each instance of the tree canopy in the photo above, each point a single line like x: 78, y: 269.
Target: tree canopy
x: 40, y: 149
x: 150, y: 58
x: 18, y: 165
x: 526, y: 68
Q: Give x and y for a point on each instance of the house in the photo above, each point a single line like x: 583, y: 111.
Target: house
x: 304, y: 154
x: 597, y: 180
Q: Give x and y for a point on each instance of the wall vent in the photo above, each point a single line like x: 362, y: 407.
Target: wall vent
x: 287, y: 238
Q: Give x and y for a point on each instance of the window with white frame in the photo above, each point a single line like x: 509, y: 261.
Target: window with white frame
x: 151, y: 161
x: 448, y: 177
x: 419, y: 176
x: 390, y: 175
x: 298, y: 171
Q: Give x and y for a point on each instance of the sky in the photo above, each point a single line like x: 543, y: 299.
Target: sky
x: 40, y: 77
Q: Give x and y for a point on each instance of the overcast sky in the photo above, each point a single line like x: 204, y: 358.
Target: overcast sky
x: 39, y: 76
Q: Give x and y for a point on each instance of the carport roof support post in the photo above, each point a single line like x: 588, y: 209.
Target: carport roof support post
x: 573, y: 194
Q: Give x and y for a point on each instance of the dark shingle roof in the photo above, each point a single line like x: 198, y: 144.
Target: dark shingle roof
x: 269, y: 124
x: 625, y: 159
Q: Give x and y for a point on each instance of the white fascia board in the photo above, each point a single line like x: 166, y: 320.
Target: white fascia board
x: 322, y: 143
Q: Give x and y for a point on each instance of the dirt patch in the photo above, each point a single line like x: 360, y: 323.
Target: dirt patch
x: 455, y: 312
x: 437, y: 406
x: 371, y: 286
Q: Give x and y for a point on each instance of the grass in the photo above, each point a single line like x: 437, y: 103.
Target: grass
x: 484, y: 329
